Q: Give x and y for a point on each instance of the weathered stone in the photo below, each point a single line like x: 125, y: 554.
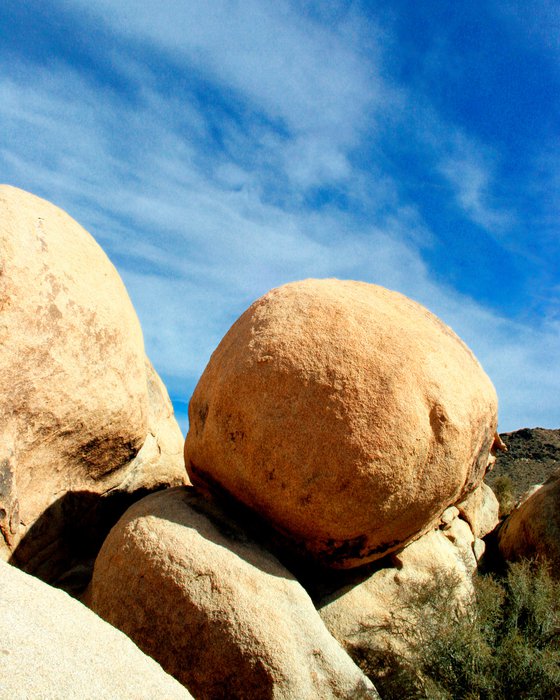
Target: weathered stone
x: 85, y: 420
x: 51, y: 646
x: 479, y: 548
x: 448, y: 516
x: 480, y: 510
x: 217, y: 611
x: 379, y: 617
x: 461, y: 535
x: 532, y: 530
x: 346, y: 415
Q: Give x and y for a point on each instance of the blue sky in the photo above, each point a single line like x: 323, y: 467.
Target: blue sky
x: 218, y: 149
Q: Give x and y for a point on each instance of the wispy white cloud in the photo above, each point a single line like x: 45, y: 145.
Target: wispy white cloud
x: 470, y: 177
x: 319, y: 82
x: 199, y: 231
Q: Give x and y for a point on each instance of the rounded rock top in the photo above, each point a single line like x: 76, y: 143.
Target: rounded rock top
x: 345, y: 415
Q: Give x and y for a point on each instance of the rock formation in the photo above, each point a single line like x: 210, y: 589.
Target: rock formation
x: 377, y: 618
x: 51, y: 646
x: 480, y: 509
x: 345, y: 415
x: 532, y: 530
x: 86, y: 425
x: 219, y: 612
x: 532, y: 455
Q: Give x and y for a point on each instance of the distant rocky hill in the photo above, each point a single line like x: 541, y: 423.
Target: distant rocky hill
x: 533, y: 453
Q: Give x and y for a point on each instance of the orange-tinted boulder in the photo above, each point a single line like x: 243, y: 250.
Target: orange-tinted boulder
x: 345, y: 415
x: 85, y: 421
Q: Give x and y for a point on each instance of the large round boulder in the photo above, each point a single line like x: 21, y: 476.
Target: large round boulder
x: 85, y: 421
x: 343, y: 414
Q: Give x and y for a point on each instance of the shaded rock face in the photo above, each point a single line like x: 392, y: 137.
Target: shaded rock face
x: 83, y: 415
x: 533, y: 529
x: 345, y: 415
x: 533, y: 454
x: 217, y: 611
x: 51, y: 646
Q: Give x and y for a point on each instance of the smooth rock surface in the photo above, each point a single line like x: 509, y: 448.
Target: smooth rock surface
x: 54, y: 648
x: 217, y: 611
x: 83, y: 415
x: 346, y: 415
x: 461, y: 536
x: 532, y: 530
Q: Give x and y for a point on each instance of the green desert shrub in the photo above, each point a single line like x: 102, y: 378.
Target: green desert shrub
x: 505, y: 646
x: 504, y: 490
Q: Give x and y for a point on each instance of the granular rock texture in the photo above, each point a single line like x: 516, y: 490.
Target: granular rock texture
x: 480, y: 509
x: 53, y: 647
x: 369, y: 615
x: 532, y: 530
x: 180, y: 577
x: 345, y: 415
x: 83, y: 415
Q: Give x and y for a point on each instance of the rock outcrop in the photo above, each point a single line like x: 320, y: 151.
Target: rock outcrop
x: 532, y: 530
x: 378, y: 619
x: 86, y: 425
x: 532, y: 455
x: 51, y: 646
x: 219, y: 613
x: 480, y: 510
x: 345, y: 415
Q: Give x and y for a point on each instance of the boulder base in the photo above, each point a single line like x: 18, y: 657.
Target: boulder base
x: 379, y: 619
x: 219, y: 613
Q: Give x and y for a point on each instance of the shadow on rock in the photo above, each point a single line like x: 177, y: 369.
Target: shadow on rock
x: 61, y: 546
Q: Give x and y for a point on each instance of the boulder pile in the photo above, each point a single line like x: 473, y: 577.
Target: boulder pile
x: 337, y: 444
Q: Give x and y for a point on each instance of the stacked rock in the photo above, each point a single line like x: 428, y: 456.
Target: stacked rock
x: 345, y: 415
x: 335, y: 424
x: 342, y: 420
